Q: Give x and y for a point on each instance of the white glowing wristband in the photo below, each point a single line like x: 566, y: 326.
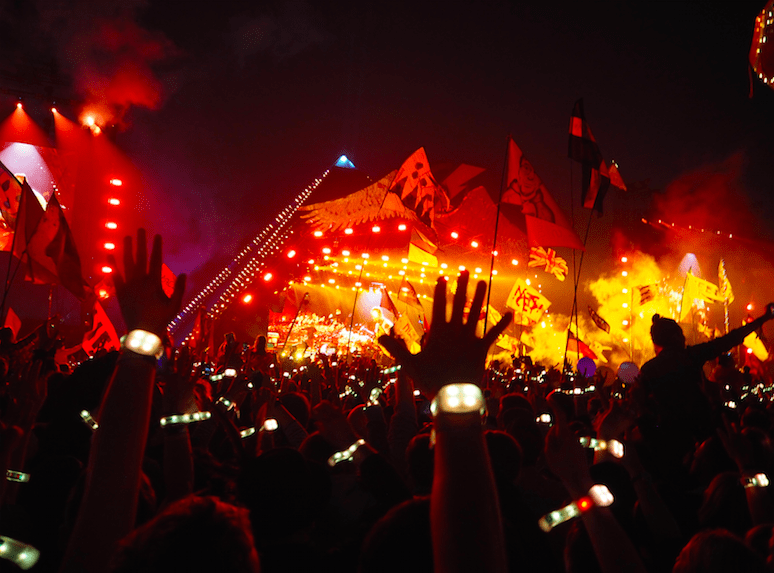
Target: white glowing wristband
x: 460, y: 398
x: 23, y: 555
x: 226, y: 402
x: 246, y: 433
x: 177, y: 419
x: 598, y: 496
x: 89, y: 420
x: 144, y: 343
x: 270, y: 425
x: 373, y: 398
x: 345, y: 455
x: 13, y: 475
x: 614, y: 447
x: 758, y: 480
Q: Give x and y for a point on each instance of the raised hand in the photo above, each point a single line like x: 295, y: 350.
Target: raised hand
x: 453, y: 352
x: 144, y: 305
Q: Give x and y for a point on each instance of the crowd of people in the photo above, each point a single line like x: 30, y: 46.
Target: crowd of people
x: 155, y: 459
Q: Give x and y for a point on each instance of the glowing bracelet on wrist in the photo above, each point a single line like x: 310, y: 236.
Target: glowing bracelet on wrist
x: 614, y: 447
x: 270, y: 425
x: 247, y: 432
x: 13, y: 475
x: 144, y: 343
x: 23, y: 555
x: 460, y: 398
x: 90, y: 422
x: 373, y: 398
x: 758, y: 480
x: 544, y: 418
x: 176, y: 419
x: 598, y: 496
x: 345, y: 455
x: 226, y: 402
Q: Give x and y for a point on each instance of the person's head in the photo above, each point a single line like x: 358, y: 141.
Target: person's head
x: 717, y: 551
x: 230, y: 337
x: 260, y: 343
x: 666, y: 333
x: 6, y: 335
x: 197, y: 534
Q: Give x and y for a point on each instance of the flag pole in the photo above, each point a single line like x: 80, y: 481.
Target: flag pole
x: 574, y: 311
x: 494, y: 239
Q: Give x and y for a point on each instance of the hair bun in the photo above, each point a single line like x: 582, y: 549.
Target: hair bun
x: 656, y: 317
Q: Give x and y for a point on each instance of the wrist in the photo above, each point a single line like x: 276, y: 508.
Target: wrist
x: 143, y: 343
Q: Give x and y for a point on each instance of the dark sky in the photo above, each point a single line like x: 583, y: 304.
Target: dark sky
x: 230, y: 108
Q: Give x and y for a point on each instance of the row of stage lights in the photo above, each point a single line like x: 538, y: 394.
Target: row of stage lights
x: 270, y: 240
x: 88, y: 121
x: 110, y: 225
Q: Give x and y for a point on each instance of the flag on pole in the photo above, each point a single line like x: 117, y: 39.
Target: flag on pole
x: 13, y: 322
x: 10, y: 195
x: 756, y: 345
x: 52, y: 256
x: 724, y: 285
x: 529, y: 305
x: 29, y: 216
x: 697, y: 289
x: 598, y: 320
x: 102, y: 335
x: 416, y: 186
x: 387, y: 303
x: 549, y: 260
x: 576, y: 346
x: 647, y: 293
x: 546, y: 223
x: 408, y: 294
x: 584, y: 149
x: 615, y: 177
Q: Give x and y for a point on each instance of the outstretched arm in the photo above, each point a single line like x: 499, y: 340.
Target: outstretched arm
x: 109, y: 505
x: 464, y: 509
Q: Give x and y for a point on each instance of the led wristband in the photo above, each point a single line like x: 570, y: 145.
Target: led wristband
x: 89, y: 420
x: 598, y: 496
x: 345, y: 455
x: 613, y: 447
x: 13, y: 475
x: 757, y: 480
x: 143, y: 343
x: 459, y: 398
x: 23, y: 555
x: 178, y: 419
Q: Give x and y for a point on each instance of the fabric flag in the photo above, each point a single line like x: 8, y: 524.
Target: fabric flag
x: 756, y: 345
x: 51, y: 253
x: 29, y: 217
x: 598, y: 320
x: 408, y: 294
x: 13, y: 322
x: 549, y: 260
x: 202, y: 338
x: 11, y: 191
x: 647, y: 293
x: 416, y: 254
x: 576, y: 346
x: 697, y: 289
x: 417, y: 188
x: 387, y: 303
x: 615, y: 177
x: 724, y: 285
x: 168, y: 279
x: 546, y: 223
x: 529, y: 305
x: 584, y: 149
x: 102, y: 335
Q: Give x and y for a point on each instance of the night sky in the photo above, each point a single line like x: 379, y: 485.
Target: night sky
x: 229, y: 109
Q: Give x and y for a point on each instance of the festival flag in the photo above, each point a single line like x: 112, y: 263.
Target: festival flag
x: 416, y: 254
x: 546, y: 223
x: 28, y: 218
x: 408, y: 294
x: 549, y: 260
x: 599, y: 321
x: 584, y: 149
x: 168, y: 279
x: 417, y: 188
x: 529, y: 305
x: 202, y: 337
x: 387, y: 303
x: 11, y: 190
x: 576, y: 346
x: 724, y: 285
x: 102, y: 335
x: 51, y: 253
x: 13, y: 322
x: 697, y: 289
x: 615, y: 177
x: 647, y: 293
x: 756, y: 345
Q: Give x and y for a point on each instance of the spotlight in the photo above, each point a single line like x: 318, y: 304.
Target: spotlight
x: 114, y: 201
x: 247, y: 298
x: 267, y: 277
x: 116, y: 182
x: 111, y: 225
x: 109, y: 246
x: 19, y: 105
x: 107, y: 269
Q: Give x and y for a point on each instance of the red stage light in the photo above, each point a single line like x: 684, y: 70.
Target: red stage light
x: 267, y: 277
x: 749, y: 351
x: 455, y: 235
x: 116, y: 182
x: 89, y: 120
x: 114, y: 201
x: 111, y: 225
x: 402, y: 227
x: 291, y: 253
x: 474, y: 244
x: 19, y: 105
x: 109, y: 246
x: 348, y: 231
x: 584, y: 503
x: 107, y: 269
x: 247, y: 298
x: 318, y: 233
x: 376, y: 228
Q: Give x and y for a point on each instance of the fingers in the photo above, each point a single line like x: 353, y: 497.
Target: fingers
x: 396, y: 347
x: 154, y: 270
x: 475, y: 305
x: 141, y: 262
x: 128, y: 260
x: 458, y: 303
x: 177, y: 294
x: 439, y: 301
x: 498, y: 329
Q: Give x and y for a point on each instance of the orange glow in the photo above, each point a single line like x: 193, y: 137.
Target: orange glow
x: 114, y: 201
x: 514, y: 262
x: 247, y: 298
x: 326, y: 250
x: 89, y: 120
x: 111, y: 225
x: 402, y: 227
x: 109, y: 246
x: 267, y: 277
x: 749, y: 351
x: 291, y: 253
x: 53, y: 110
x: 116, y: 182
x: 107, y: 269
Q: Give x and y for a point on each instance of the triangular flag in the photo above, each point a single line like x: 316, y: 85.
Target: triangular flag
x: 647, y: 293
x: 615, y: 177
x: 415, y: 185
x: 576, y: 346
x: 724, y: 285
x: 29, y: 217
x: 13, y: 322
x: 408, y: 294
x: 103, y: 335
x: 387, y: 303
x: 549, y: 226
x: 417, y: 254
x: 10, y: 195
x: 584, y: 149
x: 697, y: 289
x: 529, y: 305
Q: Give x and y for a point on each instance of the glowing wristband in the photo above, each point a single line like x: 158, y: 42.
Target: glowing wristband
x: 89, y: 420
x: 177, y: 419
x: 614, y: 447
x: 758, y: 480
x: 226, y: 402
x: 544, y: 418
x: 23, y: 555
x: 598, y: 496
x: 373, y: 398
x: 461, y: 398
x: 345, y: 455
x: 247, y: 432
x: 13, y: 475
x: 144, y: 343
x: 270, y: 425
